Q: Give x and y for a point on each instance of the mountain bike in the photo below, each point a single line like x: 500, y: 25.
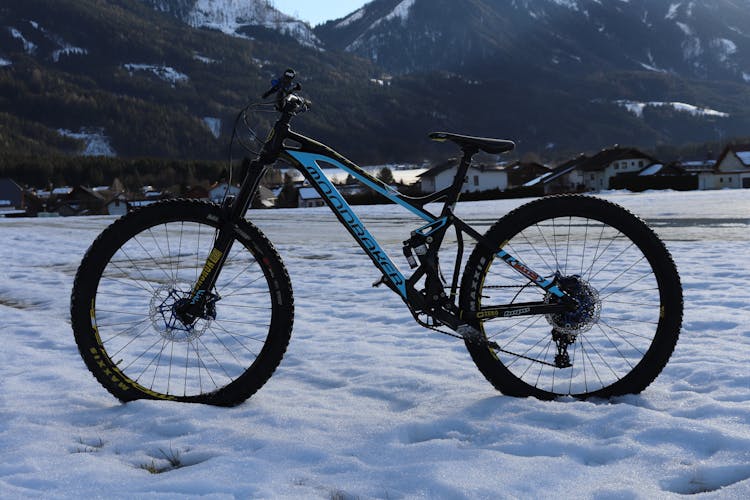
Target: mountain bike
x: 187, y: 300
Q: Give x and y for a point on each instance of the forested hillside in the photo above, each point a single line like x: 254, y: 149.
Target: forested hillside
x: 135, y: 79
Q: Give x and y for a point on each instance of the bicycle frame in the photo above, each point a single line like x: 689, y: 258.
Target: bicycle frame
x: 307, y: 157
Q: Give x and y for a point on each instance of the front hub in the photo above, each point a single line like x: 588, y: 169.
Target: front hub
x: 171, y: 313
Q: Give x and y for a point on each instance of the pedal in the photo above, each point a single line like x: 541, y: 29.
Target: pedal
x: 379, y: 282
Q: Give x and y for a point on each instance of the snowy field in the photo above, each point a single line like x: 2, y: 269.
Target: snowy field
x: 366, y: 404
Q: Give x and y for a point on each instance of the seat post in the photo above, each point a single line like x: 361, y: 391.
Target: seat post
x: 458, y: 182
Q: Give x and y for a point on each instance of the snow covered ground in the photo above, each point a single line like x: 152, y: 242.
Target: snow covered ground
x: 366, y: 404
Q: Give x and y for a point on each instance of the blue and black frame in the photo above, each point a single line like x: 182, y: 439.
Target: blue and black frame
x: 421, y: 249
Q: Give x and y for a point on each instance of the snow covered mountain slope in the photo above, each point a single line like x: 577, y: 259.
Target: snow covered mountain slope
x: 535, y: 72
x: 696, y: 38
x: 231, y: 16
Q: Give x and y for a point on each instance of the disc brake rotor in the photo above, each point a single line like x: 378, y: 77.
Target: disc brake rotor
x: 164, y: 317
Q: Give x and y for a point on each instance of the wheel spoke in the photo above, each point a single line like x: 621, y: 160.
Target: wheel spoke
x: 139, y: 307
x: 588, y: 248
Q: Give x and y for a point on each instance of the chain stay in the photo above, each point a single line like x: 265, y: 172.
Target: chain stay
x: 486, y: 343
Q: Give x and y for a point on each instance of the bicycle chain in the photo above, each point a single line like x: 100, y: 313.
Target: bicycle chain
x: 498, y: 348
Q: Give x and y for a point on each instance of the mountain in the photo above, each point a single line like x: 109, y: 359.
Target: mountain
x: 77, y: 71
x: 165, y: 78
x: 707, y: 39
x: 237, y: 17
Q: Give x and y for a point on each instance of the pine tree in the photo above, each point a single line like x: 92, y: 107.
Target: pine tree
x: 385, y: 175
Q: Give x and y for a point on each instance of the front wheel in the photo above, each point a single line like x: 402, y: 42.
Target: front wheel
x: 625, y: 283
x: 125, y: 307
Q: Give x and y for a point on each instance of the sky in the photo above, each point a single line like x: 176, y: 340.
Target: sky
x: 320, y: 11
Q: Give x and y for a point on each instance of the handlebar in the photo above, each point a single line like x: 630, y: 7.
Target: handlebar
x: 283, y: 84
x: 289, y: 104
x: 286, y: 100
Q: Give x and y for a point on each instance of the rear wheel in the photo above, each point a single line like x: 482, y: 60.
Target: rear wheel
x: 625, y: 327
x: 127, y: 298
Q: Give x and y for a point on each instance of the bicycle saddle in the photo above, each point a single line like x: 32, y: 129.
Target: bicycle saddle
x: 492, y: 146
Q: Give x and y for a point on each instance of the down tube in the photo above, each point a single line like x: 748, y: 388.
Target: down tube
x: 347, y: 216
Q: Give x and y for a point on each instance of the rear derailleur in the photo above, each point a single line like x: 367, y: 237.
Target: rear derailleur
x: 562, y: 341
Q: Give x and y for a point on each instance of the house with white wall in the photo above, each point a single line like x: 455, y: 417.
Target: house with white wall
x: 732, y: 170
x: 308, y: 197
x: 598, y: 170
x: 219, y: 191
x: 593, y: 173
x: 478, y: 178
x: 564, y: 178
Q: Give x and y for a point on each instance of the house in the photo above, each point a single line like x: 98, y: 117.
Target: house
x: 61, y: 191
x: 309, y: 197
x: 351, y: 189
x: 478, y: 178
x: 139, y: 203
x: 732, y: 169
x: 118, y: 206
x: 660, y: 169
x: 565, y: 178
x: 598, y: 171
x: 585, y: 173
x: 264, y: 198
x: 196, y: 192
x: 33, y: 205
x: 82, y: 201
x: 656, y: 176
x: 696, y: 167
x: 519, y: 172
x: 221, y: 190
x: 12, y: 198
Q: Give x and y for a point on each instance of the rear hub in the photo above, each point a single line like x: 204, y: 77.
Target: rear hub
x: 584, y: 315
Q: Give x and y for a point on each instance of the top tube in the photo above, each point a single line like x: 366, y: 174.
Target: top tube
x: 311, y: 159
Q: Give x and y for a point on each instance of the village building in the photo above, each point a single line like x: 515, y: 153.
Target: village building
x: 221, y: 190
x: 12, y: 199
x: 61, y: 191
x: 520, y: 172
x: 82, y: 201
x: 696, y: 167
x: 264, y: 198
x: 118, y: 206
x: 601, y: 168
x: 732, y: 170
x: 308, y: 197
x: 478, y: 178
x: 593, y: 173
x: 661, y: 169
x: 565, y: 178
x: 196, y: 193
x: 11, y: 194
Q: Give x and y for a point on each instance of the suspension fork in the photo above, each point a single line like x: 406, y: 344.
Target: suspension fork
x: 233, y: 210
